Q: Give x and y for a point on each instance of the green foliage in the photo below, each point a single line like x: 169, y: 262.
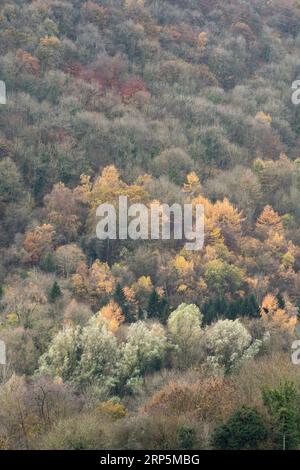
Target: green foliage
x: 184, y: 327
x: 144, y: 351
x: 91, y: 355
x: 229, y: 345
x: 282, y: 405
x: 220, y: 308
x: 223, y: 277
x: 245, y: 429
x: 298, y: 307
x: 157, y: 306
x: 280, y: 300
x: 47, y: 262
x: 174, y: 163
x: 10, y: 181
x: 54, y: 293
x: 120, y: 299
x: 81, y: 432
x: 186, y: 438
x: 99, y: 356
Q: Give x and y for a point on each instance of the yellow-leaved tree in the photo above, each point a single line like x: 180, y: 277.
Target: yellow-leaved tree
x: 106, y: 189
x: 269, y: 221
x: 275, y: 316
x: 113, y: 314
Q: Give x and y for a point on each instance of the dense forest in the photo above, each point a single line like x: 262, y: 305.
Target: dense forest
x: 123, y: 344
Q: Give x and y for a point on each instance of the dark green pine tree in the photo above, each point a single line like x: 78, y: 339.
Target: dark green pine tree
x: 298, y: 306
x: 186, y: 437
x: 119, y: 296
x: 158, y: 307
x: 120, y: 299
x: 164, y: 310
x: 153, y: 304
x: 54, y: 293
x: 242, y: 306
x: 280, y: 300
x: 249, y: 307
x: 208, y: 312
x: 245, y: 429
x: 215, y: 309
x: 221, y: 308
x: 233, y: 310
x: 282, y: 405
x: 141, y: 313
x: 47, y: 262
x: 252, y: 307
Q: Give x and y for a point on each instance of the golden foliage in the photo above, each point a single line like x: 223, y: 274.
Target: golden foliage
x: 263, y: 118
x: 84, y: 190
x: 144, y: 282
x: 225, y: 214
x: 269, y: 220
x: 113, y: 314
x: 275, y: 242
x: 129, y: 295
x: 49, y: 41
x: 111, y: 410
x: 275, y: 316
x: 193, y: 185
x: 101, y: 278
x: 183, y: 265
x: 96, y: 283
x: 202, y: 40
x: 288, y: 259
x: 107, y: 188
